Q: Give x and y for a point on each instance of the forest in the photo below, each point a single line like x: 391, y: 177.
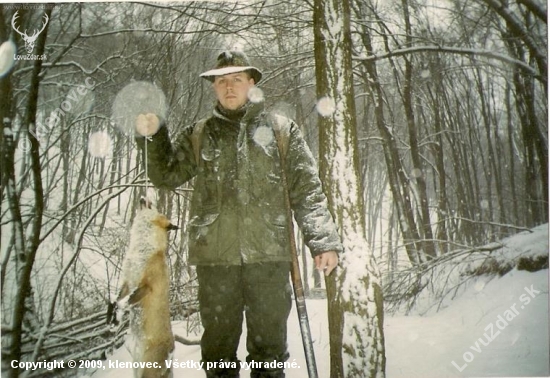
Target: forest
x: 429, y: 120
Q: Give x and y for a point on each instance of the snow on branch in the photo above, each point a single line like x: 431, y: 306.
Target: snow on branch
x: 537, y: 9
x: 91, y: 337
x: 85, y: 199
x: 135, y: 30
x: 51, y: 308
x: 429, y: 286
x: 456, y: 50
x: 503, y: 225
x: 80, y: 67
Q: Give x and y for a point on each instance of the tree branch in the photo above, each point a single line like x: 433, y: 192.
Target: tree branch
x: 518, y: 29
x: 77, y: 249
x: 537, y: 9
x: 456, y: 50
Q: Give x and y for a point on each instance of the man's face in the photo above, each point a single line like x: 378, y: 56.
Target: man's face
x: 232, y: 89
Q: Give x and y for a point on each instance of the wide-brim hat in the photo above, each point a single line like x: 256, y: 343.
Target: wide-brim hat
x: 229, y: 62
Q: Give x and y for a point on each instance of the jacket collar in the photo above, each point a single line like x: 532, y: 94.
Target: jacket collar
x: 252, y: 110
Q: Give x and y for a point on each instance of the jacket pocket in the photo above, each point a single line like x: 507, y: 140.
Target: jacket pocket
x: 277, y: 241
x: 201, y: 229
x: 203, y: 220
x: 207, y: 195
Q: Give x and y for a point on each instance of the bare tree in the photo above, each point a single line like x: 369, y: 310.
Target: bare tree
x: 353, y: 292
x: 27, y: 246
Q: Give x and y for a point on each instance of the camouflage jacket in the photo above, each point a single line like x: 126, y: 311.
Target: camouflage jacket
x: 238, y: 208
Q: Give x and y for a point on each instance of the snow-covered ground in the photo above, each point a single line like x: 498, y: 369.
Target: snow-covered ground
x: 497, y: 327
x: 448, y: 343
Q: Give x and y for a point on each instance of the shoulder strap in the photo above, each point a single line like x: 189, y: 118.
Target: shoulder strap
x: 196, y: 137
x: 281, y: 127
x: 282, y: 134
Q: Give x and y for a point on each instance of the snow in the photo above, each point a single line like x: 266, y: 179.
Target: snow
x: 99, y: 144
x: 424, y: 74
x: 263, y: 136
x: 416, y: 173
x: 484, y: 204
x: 525, y: 244
x: 326, y: 106
x: 496, y: 327
x: 189, y: 356
x: 427, y: 346
x: 255, y: 95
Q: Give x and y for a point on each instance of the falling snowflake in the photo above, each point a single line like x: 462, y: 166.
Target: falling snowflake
x: 278, y: 122
x: 425, y: 74
x: 479, y: 286
x: 484, y: 204
x: 263, y: 137
x: 284, y: 109
x: 255, y: 95
x: 137, y: 98
x: 7, y: 52
x: 416, y: 173
x: 413, y: 336
x: 99, y: 144
x: 515, y: 337
x: 238, y: 46
x: 326, y: 106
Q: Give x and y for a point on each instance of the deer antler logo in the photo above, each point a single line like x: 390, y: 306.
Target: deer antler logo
x: 29, y: 40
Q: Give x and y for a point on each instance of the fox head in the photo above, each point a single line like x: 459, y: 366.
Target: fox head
x: 150, y: 229
x: 158, y: 220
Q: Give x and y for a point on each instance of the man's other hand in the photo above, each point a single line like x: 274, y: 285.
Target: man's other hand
x: 326, y: 262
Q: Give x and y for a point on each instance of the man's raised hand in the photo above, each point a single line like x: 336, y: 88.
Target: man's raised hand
x: 147, y: 124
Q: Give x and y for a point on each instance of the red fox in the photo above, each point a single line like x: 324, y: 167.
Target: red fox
x: 145, y: 288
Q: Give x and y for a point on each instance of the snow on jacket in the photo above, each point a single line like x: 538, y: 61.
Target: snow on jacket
x: 238, y: 209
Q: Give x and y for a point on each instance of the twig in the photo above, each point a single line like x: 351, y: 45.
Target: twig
x: 184, y: 341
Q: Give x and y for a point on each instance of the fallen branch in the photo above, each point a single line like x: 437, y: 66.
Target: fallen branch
x: 184, y: 341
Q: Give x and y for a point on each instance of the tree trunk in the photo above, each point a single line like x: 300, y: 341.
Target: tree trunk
x: 395, y: 170
x: 417, y: 171
x: 512, y: 156
x: 354, y: 294
x: 24, y: 288
x: 437, y: 149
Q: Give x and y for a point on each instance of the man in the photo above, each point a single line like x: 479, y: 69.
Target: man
x: 238, y: 235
